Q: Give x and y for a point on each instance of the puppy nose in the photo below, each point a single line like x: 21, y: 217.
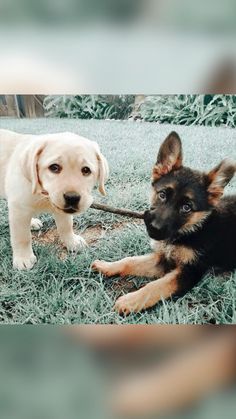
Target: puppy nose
x: 156, y: 225
x: 71, y: 198
x: 151, y: 221
x: 148, y: 216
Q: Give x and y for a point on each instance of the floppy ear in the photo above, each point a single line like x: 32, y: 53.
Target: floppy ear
x: 218, y: 178
x: 103, y: 171
x: 30, y: 165
x: 169, y: 157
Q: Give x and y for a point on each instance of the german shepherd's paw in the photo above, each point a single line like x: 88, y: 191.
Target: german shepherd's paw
x: 130, y: 303
x: 103, y: 267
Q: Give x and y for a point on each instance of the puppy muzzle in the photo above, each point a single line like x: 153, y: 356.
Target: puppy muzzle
x: 72, y: 200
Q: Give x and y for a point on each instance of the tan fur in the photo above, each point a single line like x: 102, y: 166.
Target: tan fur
x: 215, y: 189
x: 149, y: 266
x: 149, y: 295
x: 179, y: 254
x: 30, y: 187
x: 170, y: 256
x: 153, y: 194
x: 194, y: 221
x: 214, y: 195
x: 169, y: 157
x: 161, y: 169
x: 146, y: 265
x: 218, y: 178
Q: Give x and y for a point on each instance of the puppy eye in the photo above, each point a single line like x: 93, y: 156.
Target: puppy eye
x: 86, y: 171
x: 186, y: 208
x: 162, y: 196
x: 55, y: 168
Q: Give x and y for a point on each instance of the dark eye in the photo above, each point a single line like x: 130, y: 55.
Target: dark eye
x: 186, y: 208
x: 86, y: 171
x: 162, y: 196
x: 55, y: 168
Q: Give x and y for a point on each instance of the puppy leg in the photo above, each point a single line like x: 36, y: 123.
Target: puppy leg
x: 185, y: 377
x: 36, y: 224
x: 146, y: 265
x: 19, y: 222
x: 149, y: 295
x: 72, y: 241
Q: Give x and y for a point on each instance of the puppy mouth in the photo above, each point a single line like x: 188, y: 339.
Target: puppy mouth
x: 70, y: 210
x: 82, y: 207
x: 156, y: 234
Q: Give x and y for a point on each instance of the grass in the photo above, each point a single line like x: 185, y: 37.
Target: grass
x: 61, y: 288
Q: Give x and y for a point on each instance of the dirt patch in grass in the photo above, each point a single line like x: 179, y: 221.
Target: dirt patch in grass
x: 123, y: 286
x: 51, y: 237
x: 91, y: 234
x: 47, y: 237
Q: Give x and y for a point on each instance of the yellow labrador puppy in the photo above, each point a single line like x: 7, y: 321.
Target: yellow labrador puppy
x: 47, y: 173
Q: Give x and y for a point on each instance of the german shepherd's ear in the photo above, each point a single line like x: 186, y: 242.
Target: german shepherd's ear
x: 218, y: 178
x: 170, y: 156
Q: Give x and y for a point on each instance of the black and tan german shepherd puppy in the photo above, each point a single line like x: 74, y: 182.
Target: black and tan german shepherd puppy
x: 191, y: 226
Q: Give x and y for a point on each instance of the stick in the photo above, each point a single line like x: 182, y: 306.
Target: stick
x: 120, y: 211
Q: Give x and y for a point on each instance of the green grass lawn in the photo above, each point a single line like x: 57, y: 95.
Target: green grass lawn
x: 61, y: 288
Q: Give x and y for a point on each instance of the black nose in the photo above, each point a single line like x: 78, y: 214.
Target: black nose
x: 71, y: 198
x: 148, y: 216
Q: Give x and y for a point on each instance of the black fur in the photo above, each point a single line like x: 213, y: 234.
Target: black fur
x: 211, y: 235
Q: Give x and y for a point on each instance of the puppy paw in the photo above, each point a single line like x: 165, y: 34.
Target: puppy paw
x: 36, y: 224
x: 129, y: 303
x: 104, y: 267
x: 24, y: 262
x: 75, y: 243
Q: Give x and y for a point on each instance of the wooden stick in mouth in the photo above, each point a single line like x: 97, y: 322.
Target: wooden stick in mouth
x: 119, y: 211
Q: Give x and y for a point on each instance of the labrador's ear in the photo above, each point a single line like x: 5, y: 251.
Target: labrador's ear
x: 170, y: 156
x: 29, y: 164
x: 219, y: 178
x: 103, y: 170
x: 103, y: 173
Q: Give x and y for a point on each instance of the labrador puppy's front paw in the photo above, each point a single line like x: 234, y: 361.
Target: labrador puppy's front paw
x: 24, y: 262
x: 36, y: 224
x: 75, y: 243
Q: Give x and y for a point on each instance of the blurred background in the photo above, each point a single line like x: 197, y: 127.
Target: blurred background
x: 92, y: 372
x: 117, y: 46
x: 208, y: 110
